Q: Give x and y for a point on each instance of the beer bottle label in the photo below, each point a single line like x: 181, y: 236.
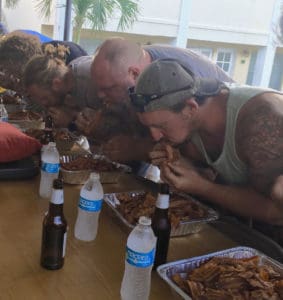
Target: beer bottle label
x: 162, y: 201
x: 57, y: 197
x: 141, y: 260
x: 49, y: 168
x: 90, y: 205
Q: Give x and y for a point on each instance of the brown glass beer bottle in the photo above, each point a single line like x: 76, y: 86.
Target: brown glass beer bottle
x: 54, y: 230
x: 161, y: 225
x: 48, y: 131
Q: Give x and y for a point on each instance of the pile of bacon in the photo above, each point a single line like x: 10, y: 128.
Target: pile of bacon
x: 89, y: 163
x: 232, y: 279
x: 25, y: 115
x: 11, y: 99
x: 132, y: 206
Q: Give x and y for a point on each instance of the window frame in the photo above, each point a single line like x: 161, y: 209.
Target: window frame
x: 200, y: 50
x: 231, y: 62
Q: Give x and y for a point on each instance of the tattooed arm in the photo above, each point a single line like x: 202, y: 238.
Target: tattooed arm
x: 259, y: 140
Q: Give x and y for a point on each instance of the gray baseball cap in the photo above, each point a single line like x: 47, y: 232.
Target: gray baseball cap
x: 165, y: 83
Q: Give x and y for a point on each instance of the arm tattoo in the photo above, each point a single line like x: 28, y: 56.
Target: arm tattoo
x: 259, y: 139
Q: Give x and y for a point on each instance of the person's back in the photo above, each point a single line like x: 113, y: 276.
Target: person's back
x: 198, y: 64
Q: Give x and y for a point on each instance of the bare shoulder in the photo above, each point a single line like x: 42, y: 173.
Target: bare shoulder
x: 259, y: 138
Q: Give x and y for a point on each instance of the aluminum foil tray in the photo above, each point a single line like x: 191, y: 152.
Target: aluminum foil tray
x: 27, y: 124
x: 184, y: 266
x: 81, y: 176
x: 184, y: 228
x: 15, y: 107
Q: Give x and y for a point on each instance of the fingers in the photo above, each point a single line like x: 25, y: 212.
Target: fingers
x: 168, y: 176
x: 277, y: 190
x: 179, y: 170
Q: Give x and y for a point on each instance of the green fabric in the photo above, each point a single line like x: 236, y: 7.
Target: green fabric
x: 228, y: 164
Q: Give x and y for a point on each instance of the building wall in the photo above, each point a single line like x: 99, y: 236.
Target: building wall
x: 242, y: 26
x: 241, y: 21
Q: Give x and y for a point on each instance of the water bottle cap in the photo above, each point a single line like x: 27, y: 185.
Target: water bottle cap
x: 145, y: 221
x: 94, y: 176
x: 53, y: 144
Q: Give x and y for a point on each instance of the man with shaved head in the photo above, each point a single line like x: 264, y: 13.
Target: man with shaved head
x: 116, y: 66
x: 118, y: 63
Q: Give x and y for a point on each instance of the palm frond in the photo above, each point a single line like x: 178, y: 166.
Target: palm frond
x: 100, y: 12
x: 11, y: 3
x: 129, y: 13
x: 43, y: 7
x: 82, y: 6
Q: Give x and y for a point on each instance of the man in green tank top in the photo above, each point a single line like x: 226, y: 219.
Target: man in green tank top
x: 237, y: 131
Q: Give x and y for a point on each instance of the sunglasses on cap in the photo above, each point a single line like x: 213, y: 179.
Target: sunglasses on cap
x: 140, y: 101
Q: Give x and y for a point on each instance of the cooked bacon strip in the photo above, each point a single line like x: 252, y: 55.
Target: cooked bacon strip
x: 235, y: 279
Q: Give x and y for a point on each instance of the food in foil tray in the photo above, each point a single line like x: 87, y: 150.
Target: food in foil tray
x: 25, y: 115
x: 231, y: 278
x: 11, y: 98
x: 58, y: 134
x: 89, y: 163
x: 132, y: 206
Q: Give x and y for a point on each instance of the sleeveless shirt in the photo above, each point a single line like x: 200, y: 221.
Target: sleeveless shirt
x: 230, y: 167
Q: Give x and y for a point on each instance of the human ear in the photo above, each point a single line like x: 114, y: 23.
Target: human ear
x: 56, y: 84
x: 134, y: 72
x: 190, y: 108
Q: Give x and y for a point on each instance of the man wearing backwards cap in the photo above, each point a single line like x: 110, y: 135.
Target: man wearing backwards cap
x: 117, y: 64
x: 235, y: 130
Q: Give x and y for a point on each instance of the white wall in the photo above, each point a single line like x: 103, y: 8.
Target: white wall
x: 23, y: 16
x: 232, y: 21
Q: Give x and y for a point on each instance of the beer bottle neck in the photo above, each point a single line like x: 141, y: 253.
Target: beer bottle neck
x: 55, y: 209
x: 162, y: 201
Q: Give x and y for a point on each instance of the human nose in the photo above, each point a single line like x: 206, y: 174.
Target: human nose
x: 156, y: 134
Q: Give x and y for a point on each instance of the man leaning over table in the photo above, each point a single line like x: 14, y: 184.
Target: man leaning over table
x: 116, y: 66
x: 235, y: 130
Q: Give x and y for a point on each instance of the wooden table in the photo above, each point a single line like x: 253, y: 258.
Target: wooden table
x: 92, y: 270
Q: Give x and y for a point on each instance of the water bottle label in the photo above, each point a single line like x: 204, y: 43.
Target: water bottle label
x: 4, y: 119
x: 50, y: 168
x: 90, y: 205
x: 141, y: 260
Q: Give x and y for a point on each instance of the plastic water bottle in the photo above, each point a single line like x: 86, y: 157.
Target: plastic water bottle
x: 89, y: 207
x: 3, y: 112
x: 140, y: 252
x: 49, y: 169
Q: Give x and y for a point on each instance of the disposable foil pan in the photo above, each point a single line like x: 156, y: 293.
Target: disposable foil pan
x: 15, y: 107
x: 27, y: 124
x: 81, y: 176
x: 184, y: 228
x: 166, y: 271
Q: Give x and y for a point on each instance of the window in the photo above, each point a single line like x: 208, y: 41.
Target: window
x: 204, y: 51
x: 225, y: 59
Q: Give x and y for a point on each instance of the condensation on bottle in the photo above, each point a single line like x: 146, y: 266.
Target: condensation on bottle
x: 89, y: 207
x: 140, y: 252
x: 49, y: 169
